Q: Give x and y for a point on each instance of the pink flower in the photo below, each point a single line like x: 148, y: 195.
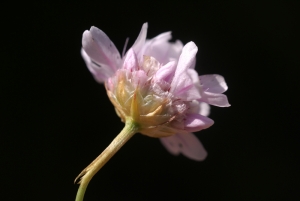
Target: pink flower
x: 156, y: 86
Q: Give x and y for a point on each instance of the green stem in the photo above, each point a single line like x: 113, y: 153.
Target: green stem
x: 128, y: 131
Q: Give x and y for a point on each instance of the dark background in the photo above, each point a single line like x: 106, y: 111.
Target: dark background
x: 57, y: 119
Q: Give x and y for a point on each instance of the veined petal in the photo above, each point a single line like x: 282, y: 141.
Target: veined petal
x: 213, y: 83
x: 187, y: 144
x: 219, y: 100
x: 186, y: 58
x: 197, y: 122
x: 101, y: 49
x: 182, y: 82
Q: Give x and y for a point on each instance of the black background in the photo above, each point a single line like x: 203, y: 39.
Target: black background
x: 57, y: 119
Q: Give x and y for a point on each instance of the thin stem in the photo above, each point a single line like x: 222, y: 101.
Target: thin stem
x: 128, y: 131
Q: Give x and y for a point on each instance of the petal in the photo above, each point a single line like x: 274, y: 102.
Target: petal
x: 192, y: 147
x: 219, y: 100
x: 171, y: 144
x: 158, y: 47
x: 187, y: 144
x: 188, y: 93
x: 130, y: 62
x: 213, y: 83
x: 140, y: 41
x: 100, y: 73
x: 182, y: 84
x: 175, y: 50
x: 199, y: 108
x: 166, y: 72
x: 186, y: 58
x: 197, y: 122
x: 204, y: 109
x: 195, y: 77
x: 101, y: 49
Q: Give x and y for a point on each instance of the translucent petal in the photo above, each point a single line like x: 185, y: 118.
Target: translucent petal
x: 204, y: 109
x: 101, y: 49
x: 140, y: 41
x: 100, y: 73
x: 213, y: 83
x: 158, y: 47
x: 187, y: 144
x: 197, y: 122
x: 219, y: 100
x: 171, y: 144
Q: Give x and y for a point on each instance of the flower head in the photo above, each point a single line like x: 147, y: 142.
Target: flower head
x: 156, y: 86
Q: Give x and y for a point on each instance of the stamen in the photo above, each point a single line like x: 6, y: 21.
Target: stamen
x: 125, y: 46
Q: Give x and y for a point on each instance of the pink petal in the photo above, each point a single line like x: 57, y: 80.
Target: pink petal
x: 213, y: 83
x: 197, y: 122
x: 219, y: 100
x: 182, y: 84
x: 101, y: 49
x: 199, y: 108
x: 130, y: 62
x: 188, y: 93
x: 166, y: 72
x: 100, y: 73
x: 204, y: 109
x: 192, y: 147
x: 187, y: 144
x: 140, y: 41
x: 158, y: 47
x: 194, y: 76
x: 175, y: 50
x: 171, y: 144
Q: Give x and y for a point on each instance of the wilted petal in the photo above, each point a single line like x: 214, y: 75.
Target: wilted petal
x: 197, y: 122
x: 187, y: 144
x: 213, y: 83
x: 219, y: 100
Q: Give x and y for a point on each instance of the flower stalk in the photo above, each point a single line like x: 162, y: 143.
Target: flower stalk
x: 87, y: 174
